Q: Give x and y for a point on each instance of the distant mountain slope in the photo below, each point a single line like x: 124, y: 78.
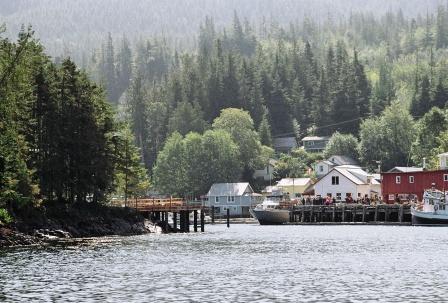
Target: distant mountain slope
x: 66, y: 25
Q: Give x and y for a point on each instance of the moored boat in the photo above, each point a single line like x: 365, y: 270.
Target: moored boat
x: 433, y: 210
x: 274, y: 210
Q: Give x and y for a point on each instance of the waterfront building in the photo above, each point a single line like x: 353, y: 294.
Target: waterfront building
x: 348, y: 181
x: 235, y: 197
x: 295, y: 187
x: 315, y: 144
x: 284, y: 144
x: 323, y: 167
x: 267, y: 172
x: 409, y: 184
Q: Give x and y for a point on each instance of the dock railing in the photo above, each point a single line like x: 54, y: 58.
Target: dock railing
x: 158, y: 204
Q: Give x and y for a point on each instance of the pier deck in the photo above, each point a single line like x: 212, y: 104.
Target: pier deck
x: 158, y: 210
x: 351, y: 213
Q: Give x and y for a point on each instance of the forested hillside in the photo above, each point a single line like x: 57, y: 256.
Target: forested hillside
x: 372, y: 76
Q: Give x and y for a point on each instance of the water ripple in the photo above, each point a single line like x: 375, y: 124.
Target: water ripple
x: 246, y: 263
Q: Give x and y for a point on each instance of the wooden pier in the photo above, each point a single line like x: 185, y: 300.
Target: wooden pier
x: 351, y: 214
x: 158, y: 210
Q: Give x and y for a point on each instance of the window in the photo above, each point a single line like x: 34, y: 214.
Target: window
x: 411, y: 179
x: 230, y: 199
x: 321, y: 168
x: 217, y: 199
x: 335, y: 180
x: 359, y: 195
x: 398, y: 179
x: 445, y: 177
x: 391, y: 197
x: 348, y: 194
x: 329, y: 195
x: 338, y: 196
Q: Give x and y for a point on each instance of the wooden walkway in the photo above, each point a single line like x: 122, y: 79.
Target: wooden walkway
x: 158, y: 209
x: 152, y: 204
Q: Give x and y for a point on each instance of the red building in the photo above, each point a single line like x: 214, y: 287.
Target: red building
x: 411, y: 185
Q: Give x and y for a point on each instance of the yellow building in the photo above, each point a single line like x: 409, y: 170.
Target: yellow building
x: 295, y: 187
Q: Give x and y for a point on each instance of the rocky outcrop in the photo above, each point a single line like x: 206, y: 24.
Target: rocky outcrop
x: 55, y: 222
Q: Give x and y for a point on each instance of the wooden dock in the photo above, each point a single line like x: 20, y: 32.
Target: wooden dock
x: 158, y: 210
x: 352, y: 214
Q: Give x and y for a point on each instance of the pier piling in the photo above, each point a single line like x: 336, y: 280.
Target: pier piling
x: 202, y: 221
x: 195, y: 221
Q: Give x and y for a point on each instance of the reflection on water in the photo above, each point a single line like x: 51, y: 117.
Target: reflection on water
x: 246, y: 263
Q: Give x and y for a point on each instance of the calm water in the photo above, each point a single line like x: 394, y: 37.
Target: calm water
x: 246, y: 263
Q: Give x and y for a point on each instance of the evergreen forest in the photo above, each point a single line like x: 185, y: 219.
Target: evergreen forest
x: 178, y: 109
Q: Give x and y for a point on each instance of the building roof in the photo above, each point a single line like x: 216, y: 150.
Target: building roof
x: 403, y: 169
x: 285, y: 142
x: 342, y: 160
x: 356, y: 174
x: 315, y: 138
x: 443, y: 154
x: 230, y: 189
x: 294, y: 181
x: 329, y: 163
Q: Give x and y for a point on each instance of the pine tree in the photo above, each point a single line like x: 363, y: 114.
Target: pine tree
x: 440, y: 97
x: 264, y: 131
x: 124, y: 67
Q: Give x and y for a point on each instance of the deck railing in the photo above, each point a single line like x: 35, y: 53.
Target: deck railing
x: 156, y: 204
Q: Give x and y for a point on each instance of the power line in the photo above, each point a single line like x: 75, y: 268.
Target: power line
x: 320, y: 127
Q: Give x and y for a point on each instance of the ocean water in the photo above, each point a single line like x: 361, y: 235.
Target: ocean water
x: 243, y: 263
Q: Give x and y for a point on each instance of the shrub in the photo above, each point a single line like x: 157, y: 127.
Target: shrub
x: 4, y: 216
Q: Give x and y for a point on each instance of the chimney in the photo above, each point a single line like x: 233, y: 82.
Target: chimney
x: 424, y: 163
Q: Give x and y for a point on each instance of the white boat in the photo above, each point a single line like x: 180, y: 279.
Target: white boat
x: 273, y: 210
x: 433, y: 210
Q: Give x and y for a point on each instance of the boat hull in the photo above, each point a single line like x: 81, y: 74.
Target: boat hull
x: 271, y: 217
x: 427, y: 218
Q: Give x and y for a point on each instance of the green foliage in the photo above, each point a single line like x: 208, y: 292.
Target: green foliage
x: 5, y: 217
x: 290, y: 167
x: 441, y: 147
x: 428, y: 128
x: 342, y: 145
x: 186, y: 118
x: 264, y: 131
x: 131, y: 176
x: 190, y: 165
x: 296, y: 164
x: 56, y: 130
x: 387, y: 138
x: 240, y: 126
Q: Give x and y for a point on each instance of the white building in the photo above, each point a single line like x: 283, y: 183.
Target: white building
x: 348, y: 180
x: 267, y: 173
x: 237, y: 197
x: 323, y: 167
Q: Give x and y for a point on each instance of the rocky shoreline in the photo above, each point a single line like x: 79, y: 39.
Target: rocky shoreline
x: 55, y: 223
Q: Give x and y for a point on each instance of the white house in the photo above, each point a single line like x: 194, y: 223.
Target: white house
x: 267, y: 173
x: 237, y: 197
x: 323, y: 167
x: 443, y: 161
x: 347, y: 180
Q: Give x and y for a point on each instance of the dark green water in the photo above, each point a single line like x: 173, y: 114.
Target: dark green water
x: 246, y: 263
